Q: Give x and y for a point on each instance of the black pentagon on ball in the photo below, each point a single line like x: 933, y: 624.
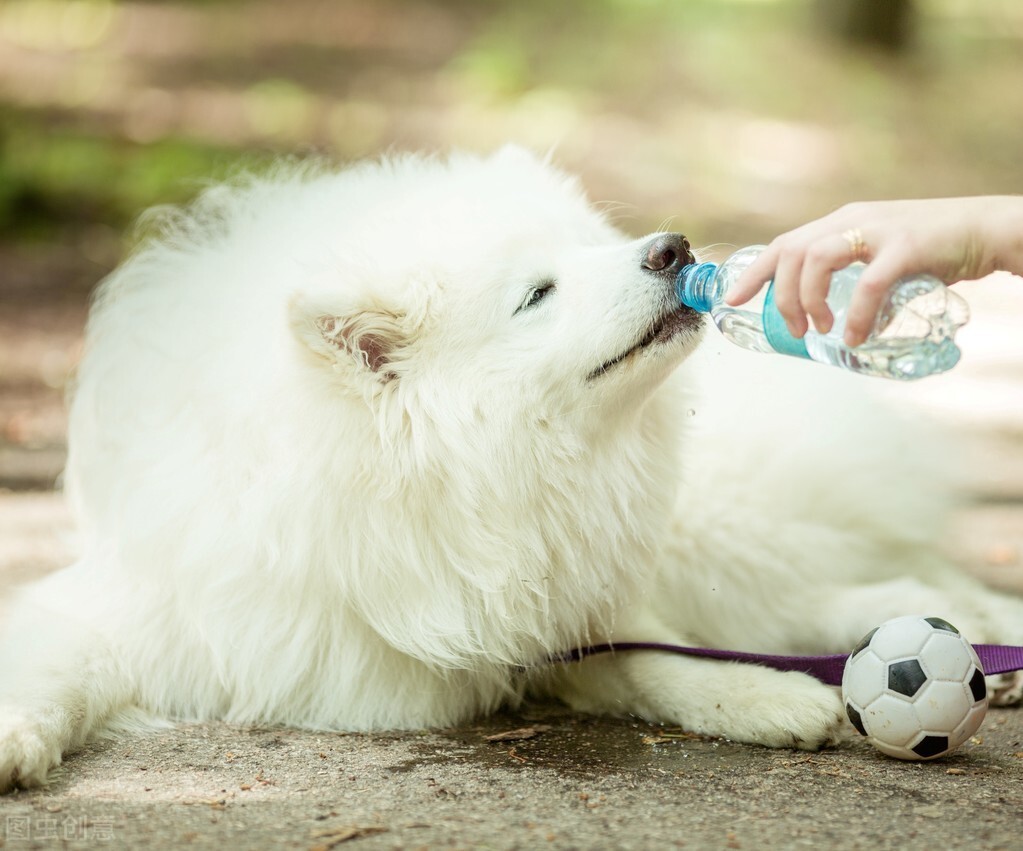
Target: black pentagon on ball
x: 939, y: 623
x: 857, y: 721
x: 931, y: 746
x: 863, y: 642
x: 906, y: 677
x: 978, y: 686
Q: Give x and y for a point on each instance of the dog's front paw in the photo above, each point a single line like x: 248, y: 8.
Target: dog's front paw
x: 803, y: 714
x: 27, y: 753
x: 743, y: 703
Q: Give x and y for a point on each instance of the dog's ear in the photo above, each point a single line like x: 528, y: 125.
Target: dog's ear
x: 363, y: 339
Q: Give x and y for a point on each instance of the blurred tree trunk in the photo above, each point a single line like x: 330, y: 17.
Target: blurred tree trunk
x: 881, y: 23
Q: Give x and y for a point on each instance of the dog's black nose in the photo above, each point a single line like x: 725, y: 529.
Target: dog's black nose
x: 668, y: 253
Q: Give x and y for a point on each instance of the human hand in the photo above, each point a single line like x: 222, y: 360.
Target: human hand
x: 953, y: 239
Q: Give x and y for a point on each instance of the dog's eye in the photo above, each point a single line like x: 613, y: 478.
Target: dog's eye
x: 537, y: 294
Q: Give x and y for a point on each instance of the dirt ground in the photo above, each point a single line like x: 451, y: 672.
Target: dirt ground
x: 578, y: 783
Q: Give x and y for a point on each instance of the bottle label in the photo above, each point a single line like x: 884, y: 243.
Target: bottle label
x: 777, y: 331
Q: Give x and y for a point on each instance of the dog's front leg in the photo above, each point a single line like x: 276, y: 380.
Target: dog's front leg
x: 741, y: 702
x: 744, y: 703
x: 58, y: 681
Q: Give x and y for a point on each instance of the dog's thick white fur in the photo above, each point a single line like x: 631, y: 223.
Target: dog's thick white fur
x: 358, y: 450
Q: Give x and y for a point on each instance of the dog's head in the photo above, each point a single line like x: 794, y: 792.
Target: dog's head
x: 490, y: 288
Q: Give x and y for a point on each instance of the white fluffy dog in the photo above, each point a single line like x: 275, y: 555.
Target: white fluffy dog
x: 362, y: 450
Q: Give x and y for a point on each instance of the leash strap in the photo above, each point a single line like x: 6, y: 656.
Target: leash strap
x: 994, y: 658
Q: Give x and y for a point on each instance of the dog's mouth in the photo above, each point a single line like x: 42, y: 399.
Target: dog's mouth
x: 664, y: 328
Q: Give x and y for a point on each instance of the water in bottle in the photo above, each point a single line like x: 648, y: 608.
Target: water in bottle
x: 913, y: 333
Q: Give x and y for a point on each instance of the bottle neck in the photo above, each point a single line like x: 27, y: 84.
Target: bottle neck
x: 698, y: 287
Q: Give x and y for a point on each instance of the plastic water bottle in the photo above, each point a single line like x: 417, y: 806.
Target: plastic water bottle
x: 912, y: 335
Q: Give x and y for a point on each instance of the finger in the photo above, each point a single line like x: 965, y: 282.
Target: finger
x: 871, y: 291
x: 762, y: 269
x: 786, y: 292
x: 815, y: 280
x: 823, y: 258
x: 753, y: 278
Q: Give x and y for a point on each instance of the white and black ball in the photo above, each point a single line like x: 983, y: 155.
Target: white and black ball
x: 915, y: 688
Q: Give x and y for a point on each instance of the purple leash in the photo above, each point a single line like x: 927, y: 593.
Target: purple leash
x: 994, y: 658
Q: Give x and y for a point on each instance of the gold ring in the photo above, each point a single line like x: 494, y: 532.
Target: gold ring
x: 857, y: 248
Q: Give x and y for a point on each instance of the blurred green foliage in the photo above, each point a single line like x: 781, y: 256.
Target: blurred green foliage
x: 53, y: 176
x: 734, y: 109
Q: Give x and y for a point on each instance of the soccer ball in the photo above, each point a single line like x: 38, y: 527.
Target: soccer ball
x: 915, y: 688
